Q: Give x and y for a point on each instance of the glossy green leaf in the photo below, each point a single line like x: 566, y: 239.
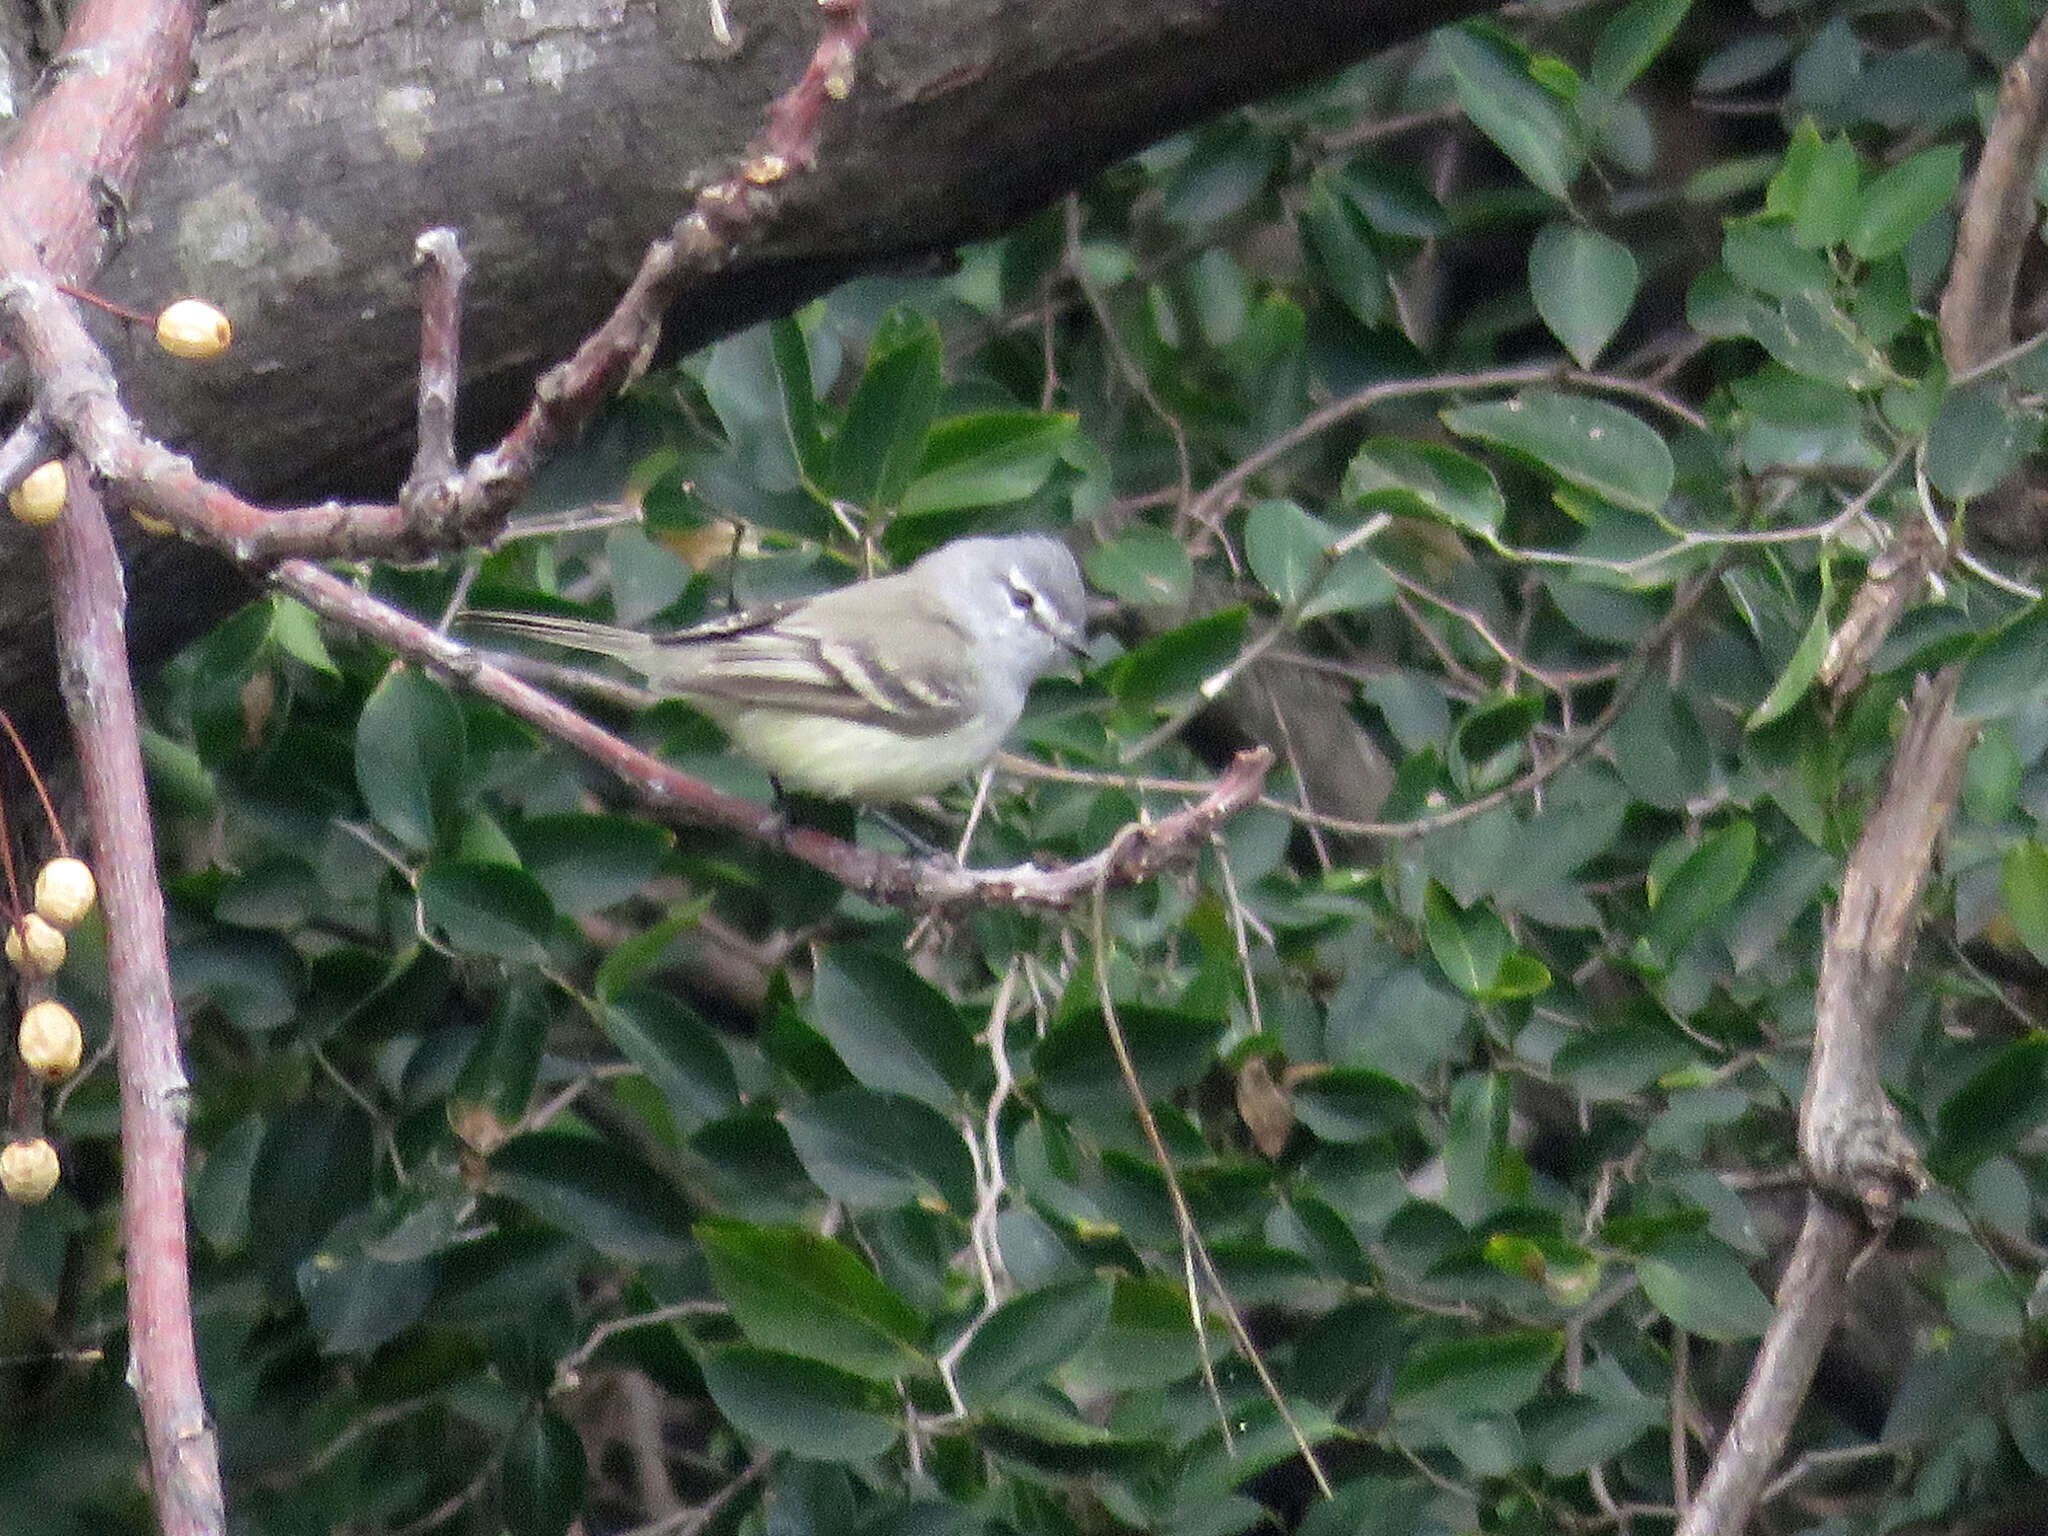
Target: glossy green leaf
x: 1405, y: 475
x: 1339, y: 244
x: 1711, y: 877
x: 2023, y: 881
x: 1529, y: 124
x: 1077, y: 1068
x: 791, y: 1404
x: 1631, y: 41
x: 895, y: 1031
x: 1588, y: 443
x: 1899, y: 201
x: 590, y: 1188
x: 1468, y: 945
x: 1466, y: 1377
x: 541, y: 1476
x: 636, y: 952
x: 807, y: 1295
x: 681, y: 1055
x: 1977, y: 441
x: 792, y: 356
x: 497, y: 1081
x: 1584, y: 284
x: 588, y: 863
x: 410, y: 764
x: 488, y: 909
x: 2004, y: 1101
x: 1703, y: 1287
x: 1800, y: 671
x: 873, y: 1151
x: 2008, y: 667
x: 1179, y: 662
x: 1353, y: 1104
x: 1143, y: 565
x: 1029, y: 1337
x: 1286, y: 548
x: 987, y: 460
x: 882, y: 441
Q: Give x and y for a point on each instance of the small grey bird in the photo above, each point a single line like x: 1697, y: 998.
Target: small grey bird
x: 879, y: 691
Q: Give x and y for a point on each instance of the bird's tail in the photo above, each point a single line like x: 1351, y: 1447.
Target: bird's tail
x: 557, y: 629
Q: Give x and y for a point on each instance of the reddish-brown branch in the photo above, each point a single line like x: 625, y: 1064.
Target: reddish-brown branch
x: 89, y: 601
x: 442, y: 270
x: 448, y: 511
x: 924, y: 884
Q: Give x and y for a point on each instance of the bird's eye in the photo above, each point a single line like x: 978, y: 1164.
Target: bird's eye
x: 1023, y: 599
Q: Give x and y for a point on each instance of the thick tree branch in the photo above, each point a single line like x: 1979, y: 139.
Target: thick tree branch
x: 184, y: 1462
x: 1851, y: 1137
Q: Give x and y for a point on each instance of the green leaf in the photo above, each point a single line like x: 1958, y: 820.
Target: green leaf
x: 588, y: 1187
x: 1339, y: 244
x: 1530, y: 125
x: 800, y: 1406
x: 987, y: 460
x: 1702, y: 1286
x: 542, y: 1476
x: 1897, y: 203
x: 2023, y: 881
x: 895, y: 1031
x: 2008, y: 668
x: 488, y: 909
x: 681, y: 1055
x: 497, y: 1082
x: 873, y: 1151
x: 635, y: 953
x: 1709, y: 879
x: 295, y: 630
x: 1029, y: 1337
x: 410, y: 764
x: 882, y: 442
x: 792, y: 355
x: 1286, y: 548
x: 1468, y: 945
x: 1977, y: 441
x: 1573, y: 1434
x: 1584, y: 285
x: 1143, y: 565
x: 1402, y: 474
x: 2004, y: 1101
x: 1464, y: 1378
x: 588, y: 863
x: 1353, y: 1104
x: 1632, y: 40
x: 1798, y: 675
x: 1828, y: 203
x: 1177, y: 663
x: 1355, y: 580
x: 1588, y: 443
x: 1077, y: 1069
x: 810, y: 1296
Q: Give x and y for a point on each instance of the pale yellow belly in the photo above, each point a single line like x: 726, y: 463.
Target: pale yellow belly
x: 847, y: 760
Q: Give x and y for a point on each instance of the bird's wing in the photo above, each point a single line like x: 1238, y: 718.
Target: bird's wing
x: 912, y: 678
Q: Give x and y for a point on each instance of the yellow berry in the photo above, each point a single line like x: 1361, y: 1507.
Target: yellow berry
x: 39, y: 499
x: 50, y: 1041
x: 65, y: 892
x: 34, y: 948
x: 28, y: 1171
x: 193, y: 328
